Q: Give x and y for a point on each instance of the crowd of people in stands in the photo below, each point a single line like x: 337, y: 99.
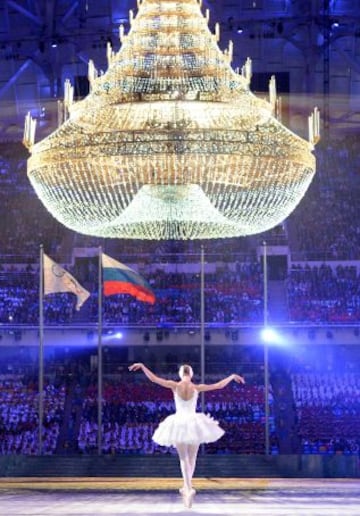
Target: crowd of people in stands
x: 325, y: 224
x: 325, y: 401
x: 19, y: 416
x: 19, y: 299
x: 132, y: 411
x: 328, y: 411
x: 231, y: 295
x: 322, y: 294
x: 315, y: 293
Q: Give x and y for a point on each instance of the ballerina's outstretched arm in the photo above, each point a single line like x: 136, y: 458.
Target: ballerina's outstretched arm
x: 169, y: 384
x: 203, y: 387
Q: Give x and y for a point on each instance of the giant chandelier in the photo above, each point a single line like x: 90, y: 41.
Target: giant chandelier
x: 171, y: 143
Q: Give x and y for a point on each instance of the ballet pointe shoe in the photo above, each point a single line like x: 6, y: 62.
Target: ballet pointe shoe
x: 183, y: 489
x: 188, y: 496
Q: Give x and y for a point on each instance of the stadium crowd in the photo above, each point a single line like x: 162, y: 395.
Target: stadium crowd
x: 133, y: 410
x: 19, y: 416
x: 325, y: 224
x: 231, y: 296
x: 322, y: 294
x: 328, y: 411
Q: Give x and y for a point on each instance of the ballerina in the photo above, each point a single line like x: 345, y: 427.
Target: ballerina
x: 186, y: 429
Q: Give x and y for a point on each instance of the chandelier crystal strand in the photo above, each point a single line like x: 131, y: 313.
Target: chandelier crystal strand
x: 171, y: 143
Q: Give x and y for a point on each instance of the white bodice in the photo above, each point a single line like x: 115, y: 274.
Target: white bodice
x: 188, y: 406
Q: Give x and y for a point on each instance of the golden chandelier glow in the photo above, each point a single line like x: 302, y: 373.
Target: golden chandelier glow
x: 170, y: 143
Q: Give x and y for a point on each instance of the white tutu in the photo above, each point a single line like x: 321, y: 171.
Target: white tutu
x: 187, y: 426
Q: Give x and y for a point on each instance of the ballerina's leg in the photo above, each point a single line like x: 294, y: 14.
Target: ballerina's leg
x: 193, y: 452
x: 185, y: 465
x: 187, y: 455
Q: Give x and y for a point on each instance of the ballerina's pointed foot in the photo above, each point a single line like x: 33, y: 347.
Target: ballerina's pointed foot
x: 183, y: 489
x: 188, y: 496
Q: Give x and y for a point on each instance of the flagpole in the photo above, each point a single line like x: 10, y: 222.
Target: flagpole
x: 202, y: 335
x: 266, y: 352
x: 41, y: 349
x: 202, y: 328
x: 100, y: 389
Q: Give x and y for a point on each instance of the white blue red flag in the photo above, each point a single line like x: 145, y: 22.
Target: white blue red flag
x: 120, y: 279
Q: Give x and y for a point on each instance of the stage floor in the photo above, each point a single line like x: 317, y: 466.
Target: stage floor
x: 158, y: 496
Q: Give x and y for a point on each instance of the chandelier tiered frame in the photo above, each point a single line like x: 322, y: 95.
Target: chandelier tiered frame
x: 171, y: 143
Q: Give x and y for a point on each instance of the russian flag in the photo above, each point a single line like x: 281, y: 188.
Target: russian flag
x: 120, y: 279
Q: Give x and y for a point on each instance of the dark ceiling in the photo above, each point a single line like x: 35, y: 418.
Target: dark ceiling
x: 313, y: 47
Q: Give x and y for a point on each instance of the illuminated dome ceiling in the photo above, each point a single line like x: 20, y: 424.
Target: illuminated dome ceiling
x: 171, y: 143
